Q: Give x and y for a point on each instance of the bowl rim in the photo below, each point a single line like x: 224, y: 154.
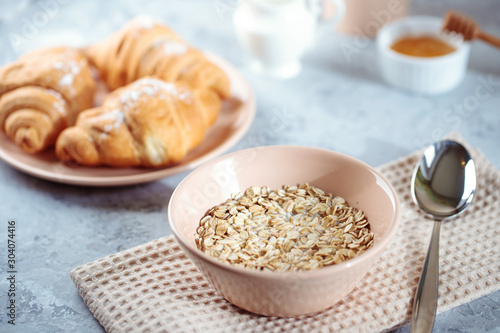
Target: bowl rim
x: 322, y: 272
x: 386, y: 50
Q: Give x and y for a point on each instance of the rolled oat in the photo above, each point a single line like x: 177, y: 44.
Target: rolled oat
x: 290, y: 229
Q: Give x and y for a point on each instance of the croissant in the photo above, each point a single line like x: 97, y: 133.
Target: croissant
x: 147, y: 123
x: 42, y: 93
x: 144, y: 47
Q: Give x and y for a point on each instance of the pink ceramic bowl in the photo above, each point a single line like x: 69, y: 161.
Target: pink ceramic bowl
x: 290, y: 293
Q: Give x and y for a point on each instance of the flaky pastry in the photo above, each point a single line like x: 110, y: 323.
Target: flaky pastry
x: 147, y: 123
x: 42, y: 93
x: 144, y: 47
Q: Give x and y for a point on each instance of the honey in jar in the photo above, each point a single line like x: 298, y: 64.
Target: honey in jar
x: 422, y: 46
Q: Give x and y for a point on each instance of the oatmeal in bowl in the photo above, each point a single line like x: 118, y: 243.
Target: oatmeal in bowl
x: 294, y: 228
x: 284, y: 230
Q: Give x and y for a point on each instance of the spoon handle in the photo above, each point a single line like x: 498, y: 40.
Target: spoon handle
x: 489, y: 38
x: 425, y: 302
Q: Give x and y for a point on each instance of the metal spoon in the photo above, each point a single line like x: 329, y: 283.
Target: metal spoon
x: 443, y: 185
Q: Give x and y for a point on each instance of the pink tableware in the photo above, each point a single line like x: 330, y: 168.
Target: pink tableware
x: 286, y: 293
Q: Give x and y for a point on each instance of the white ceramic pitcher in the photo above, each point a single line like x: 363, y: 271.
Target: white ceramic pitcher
x: 278, y: 32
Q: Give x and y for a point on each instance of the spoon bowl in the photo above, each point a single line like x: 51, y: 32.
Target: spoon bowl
x: 444, y: 181
x: 443, y: 185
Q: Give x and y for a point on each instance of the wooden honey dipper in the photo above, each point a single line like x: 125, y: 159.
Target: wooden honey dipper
x: 460, y: 23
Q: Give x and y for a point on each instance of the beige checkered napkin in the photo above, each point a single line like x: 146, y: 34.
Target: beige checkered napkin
x: 155, y: 288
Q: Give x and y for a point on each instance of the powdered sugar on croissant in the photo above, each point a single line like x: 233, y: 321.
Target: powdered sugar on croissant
x: 144, y: 47
x: 147, y: 123
x: 42, y: 93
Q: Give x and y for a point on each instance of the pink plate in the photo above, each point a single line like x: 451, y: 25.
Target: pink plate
x: 234, y: 120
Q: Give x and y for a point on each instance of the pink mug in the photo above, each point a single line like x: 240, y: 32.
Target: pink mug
x: 365, y: 17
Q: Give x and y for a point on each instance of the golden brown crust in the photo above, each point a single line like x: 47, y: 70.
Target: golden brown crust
x: 144, y: 121
x: 148, y: 123
x: 144, y: 47
x: 42, y: 93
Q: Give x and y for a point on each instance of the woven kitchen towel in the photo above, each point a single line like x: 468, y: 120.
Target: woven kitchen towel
x: 155, y: 288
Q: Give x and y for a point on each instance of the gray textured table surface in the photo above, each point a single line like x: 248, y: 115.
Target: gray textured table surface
x: 337, y: 102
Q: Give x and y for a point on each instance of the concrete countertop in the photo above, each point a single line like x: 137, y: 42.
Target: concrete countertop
x: 337, y: 102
